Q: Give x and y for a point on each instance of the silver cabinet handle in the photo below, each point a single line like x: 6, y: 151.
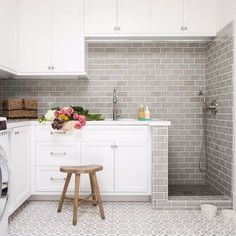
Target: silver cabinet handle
x: 57, y: 179
x: 116, y: 28
x: 52, y: 67
x: 55, y: 133
x: 58, y: 153
x: 114, y: 146
x: 182, y: 28
x: 49, y: 67
x: 17, y: 132
x: 185, y: 28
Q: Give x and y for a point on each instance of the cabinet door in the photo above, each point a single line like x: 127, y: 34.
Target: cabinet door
x: 100, y: 153
x: 167, y: 16
x: 20, y: 166
x: 131, y: 167
x: 200, y: 17
x: 35, y: 36
x: 134, y: 16
x: 8, y: 50
x: 68, y: 36
x: 100, y: 16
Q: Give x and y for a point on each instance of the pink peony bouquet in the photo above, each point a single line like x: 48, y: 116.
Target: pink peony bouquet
x: 67, y: 118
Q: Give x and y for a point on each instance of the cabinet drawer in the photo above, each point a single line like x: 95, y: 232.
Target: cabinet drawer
x: 115, y: 133
x: 51, y: 180
x: 46, y: 133
x: 54, y: 154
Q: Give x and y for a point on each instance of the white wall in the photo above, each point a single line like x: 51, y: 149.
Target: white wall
x: 227, y: 14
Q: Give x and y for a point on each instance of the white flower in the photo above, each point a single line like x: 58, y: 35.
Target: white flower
x: 50, y: 115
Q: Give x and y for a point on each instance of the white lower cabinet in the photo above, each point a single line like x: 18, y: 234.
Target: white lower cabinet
x: 100, y: 153
x: 50, y: 179
x: 52, y: 154
x: 20, y: 160
x: 122, y: 151
x: 125, y: 163
x: 131, y: 167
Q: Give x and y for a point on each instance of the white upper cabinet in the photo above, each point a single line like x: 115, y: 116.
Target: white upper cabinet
x: 51, y: 37
x: 167, y: 16
x: 200, y: 17
x: 8, y: 39
x: 68, y: 37
x: 184, y: 17
x: 112, y: 17
x: 35, y: 36
x: 150, y: 17
x: 134, y: 16
x: 100, y: 16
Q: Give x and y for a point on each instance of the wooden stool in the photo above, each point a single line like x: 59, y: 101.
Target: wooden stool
x: 94, y: 197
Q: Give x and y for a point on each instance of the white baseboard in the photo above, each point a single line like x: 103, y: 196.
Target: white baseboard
x: 104, y: 198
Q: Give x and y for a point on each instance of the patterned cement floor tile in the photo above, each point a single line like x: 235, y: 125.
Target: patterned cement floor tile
x: 40, y: 218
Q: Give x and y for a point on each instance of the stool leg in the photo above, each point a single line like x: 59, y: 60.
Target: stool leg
x: 92, y: 189
x: 98, y: 196
x: 68, y: 177
x: 76, y: 198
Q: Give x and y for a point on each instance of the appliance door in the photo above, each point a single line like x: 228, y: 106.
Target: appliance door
x: 4, y: 182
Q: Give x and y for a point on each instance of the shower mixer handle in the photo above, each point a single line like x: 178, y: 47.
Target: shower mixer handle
x: 213, y: 107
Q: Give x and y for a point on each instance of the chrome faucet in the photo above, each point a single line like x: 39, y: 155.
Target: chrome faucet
x: 115, y: 116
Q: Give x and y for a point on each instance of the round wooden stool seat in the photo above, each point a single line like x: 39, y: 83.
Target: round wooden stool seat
x: 81, y: 169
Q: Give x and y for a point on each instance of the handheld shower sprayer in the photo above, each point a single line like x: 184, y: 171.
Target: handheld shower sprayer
x: 200, y: 93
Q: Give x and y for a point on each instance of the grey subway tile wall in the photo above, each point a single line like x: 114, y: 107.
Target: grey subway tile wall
x: 166, y: 76
x: 219, y: 86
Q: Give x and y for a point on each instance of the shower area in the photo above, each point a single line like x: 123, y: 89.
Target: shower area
x: 202, y: 170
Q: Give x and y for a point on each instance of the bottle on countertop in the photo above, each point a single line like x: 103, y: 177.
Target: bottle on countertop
x: 141, y: 112
x: 147, y: 113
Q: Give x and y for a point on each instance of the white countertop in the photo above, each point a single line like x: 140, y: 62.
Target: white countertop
x: 155, y: 122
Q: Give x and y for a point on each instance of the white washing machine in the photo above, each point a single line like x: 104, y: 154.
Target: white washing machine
x: 4, y: 177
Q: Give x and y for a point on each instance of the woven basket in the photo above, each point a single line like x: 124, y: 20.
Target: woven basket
x: 20, y: 114
x: 19, y: 104
x: 20, y: 108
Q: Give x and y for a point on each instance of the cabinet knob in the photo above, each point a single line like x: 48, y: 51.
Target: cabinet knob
x: 182, y: 28
x: 49, y: 67
x: 17, y: 132
x: 53, y: 67
x: 185, y: 28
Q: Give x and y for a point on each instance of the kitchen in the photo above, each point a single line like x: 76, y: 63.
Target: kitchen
x: 158, y: 53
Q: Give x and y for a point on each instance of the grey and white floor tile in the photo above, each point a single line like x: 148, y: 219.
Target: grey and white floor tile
x: 122, y: 218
